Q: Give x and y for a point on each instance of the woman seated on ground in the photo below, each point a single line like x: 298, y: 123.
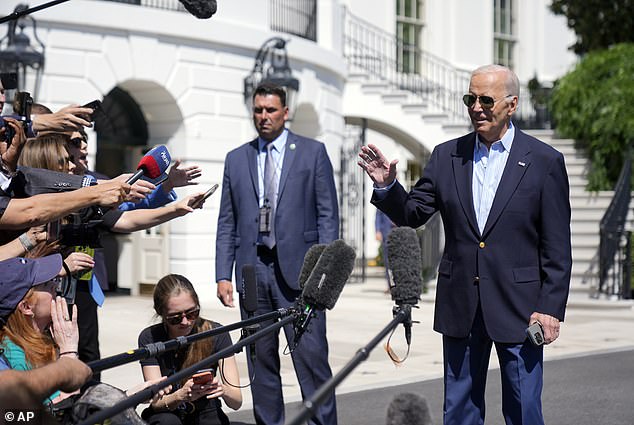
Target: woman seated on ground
x: 176, y: 302
x: 35, y: 328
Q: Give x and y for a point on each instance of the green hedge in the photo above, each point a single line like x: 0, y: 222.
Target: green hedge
x: 594, y: 104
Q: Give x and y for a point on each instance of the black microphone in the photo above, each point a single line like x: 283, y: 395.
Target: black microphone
x: 405, y: 269
x: 250, y: 303
x: 408, y: 409
x: 202, y: 9
x: 325, y: 283
x: 310, y: 260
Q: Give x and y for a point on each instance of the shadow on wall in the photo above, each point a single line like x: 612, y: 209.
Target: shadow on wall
x: 306, y: 121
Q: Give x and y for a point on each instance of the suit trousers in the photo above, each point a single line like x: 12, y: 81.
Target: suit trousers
x: 466, y: 362
x: 310, y: 357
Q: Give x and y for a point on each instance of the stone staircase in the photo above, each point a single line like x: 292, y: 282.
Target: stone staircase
x: 587, y: 210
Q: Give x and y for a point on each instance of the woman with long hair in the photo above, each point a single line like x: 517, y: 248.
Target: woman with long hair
x: 177, y: 304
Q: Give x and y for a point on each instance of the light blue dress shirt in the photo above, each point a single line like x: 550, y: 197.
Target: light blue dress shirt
x: 488, y: 166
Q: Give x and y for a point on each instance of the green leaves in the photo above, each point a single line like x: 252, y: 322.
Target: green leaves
x: 594, y: 104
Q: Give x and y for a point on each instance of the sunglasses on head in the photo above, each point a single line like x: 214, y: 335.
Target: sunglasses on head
x: 487, y: 102
x: 177, y: 318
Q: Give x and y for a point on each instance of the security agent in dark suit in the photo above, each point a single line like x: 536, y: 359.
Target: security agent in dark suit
x: 503, y: 198
x: 273, y: 233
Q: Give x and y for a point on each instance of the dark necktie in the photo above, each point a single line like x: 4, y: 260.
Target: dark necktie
x: 270, y: 194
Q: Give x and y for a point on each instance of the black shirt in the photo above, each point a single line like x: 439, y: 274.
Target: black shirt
x: 172, y: 361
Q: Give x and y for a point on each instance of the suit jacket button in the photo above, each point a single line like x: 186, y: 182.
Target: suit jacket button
x: 476, y: 279
x: 481, y: 245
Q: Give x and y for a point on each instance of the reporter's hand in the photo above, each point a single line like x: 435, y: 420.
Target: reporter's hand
x: 64, y: 329
x: 69, y: 118
x: 178, y: 177
x: 79, y: 261
x: 111, y: 193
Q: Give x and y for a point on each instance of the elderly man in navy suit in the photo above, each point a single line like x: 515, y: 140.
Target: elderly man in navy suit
x: 504, y: 201
x: 278, y: 199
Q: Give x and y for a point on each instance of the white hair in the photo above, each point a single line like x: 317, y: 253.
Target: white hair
x: 512, y: 83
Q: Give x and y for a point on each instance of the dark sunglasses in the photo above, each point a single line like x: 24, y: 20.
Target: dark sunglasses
x: 77, y: 141
x: 176, y: 318
x: 487, y: 102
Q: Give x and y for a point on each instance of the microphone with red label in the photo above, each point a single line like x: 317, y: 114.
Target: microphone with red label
x: 153, y: 164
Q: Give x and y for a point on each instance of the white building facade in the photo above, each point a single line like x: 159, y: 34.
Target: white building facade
x: 169, y: 78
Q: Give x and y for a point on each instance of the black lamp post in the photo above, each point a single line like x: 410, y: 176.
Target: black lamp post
x: 276, y: 71
x: 17, y: 55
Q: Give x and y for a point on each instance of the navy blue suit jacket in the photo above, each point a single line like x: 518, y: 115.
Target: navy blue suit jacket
x: 306, y: 212
x: 521, y: 261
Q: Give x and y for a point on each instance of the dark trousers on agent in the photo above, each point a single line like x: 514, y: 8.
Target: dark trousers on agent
x: 310, y: 357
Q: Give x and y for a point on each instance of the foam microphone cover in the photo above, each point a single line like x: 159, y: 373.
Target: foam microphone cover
x: 335, y: 266
x: 405, y: 265
x: 249, y: 289
x: 408, y: 409
x: 155, y: 162
x: 310, y: 261
x: 202, y: 9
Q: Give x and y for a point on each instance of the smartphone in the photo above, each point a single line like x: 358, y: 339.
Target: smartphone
x: 207, y: 194
x: 535, y: 333
x: 95, y: 105
x: 53, y: 229
x: 203, y: 377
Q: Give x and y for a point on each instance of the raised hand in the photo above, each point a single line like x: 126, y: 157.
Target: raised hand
x: 381, y: 171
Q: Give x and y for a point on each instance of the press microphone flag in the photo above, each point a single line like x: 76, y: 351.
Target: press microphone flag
x: 153, y: 164
x: 202, y: 9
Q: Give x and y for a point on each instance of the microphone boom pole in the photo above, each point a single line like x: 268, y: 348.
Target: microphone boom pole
x: 173, y: 344
x: 402, y: 315
x: 150, y: 391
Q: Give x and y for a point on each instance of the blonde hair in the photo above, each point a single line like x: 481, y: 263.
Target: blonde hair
x: 48, y: 152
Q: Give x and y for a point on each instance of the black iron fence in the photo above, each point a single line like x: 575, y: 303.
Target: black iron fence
x: 297, y: 17
x: 615, y: 253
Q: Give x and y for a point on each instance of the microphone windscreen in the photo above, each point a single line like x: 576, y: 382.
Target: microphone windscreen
x: 310, y: 260
x: 202, y: 9
x: 408, y: 409
x: 155, y: 162
x: 249, y: 289
x: 330, y: 274
x: 405, y: 265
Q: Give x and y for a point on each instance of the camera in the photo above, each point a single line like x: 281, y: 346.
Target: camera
x: 22, y: 103
x: 77, y: 229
